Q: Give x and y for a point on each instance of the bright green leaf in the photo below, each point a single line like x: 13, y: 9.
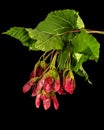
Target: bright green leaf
x: 21, y: 34
x: 63, y: 57
x: 58, y: 22
x: 45, y: 41
x: 46, y: 36
x: 80, y: 58
x: 61, y: 30
x: 78, y: 66
x: 81, y: 72
x: 86, y: 43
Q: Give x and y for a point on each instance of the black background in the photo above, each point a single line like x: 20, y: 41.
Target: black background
x: 82, y: 109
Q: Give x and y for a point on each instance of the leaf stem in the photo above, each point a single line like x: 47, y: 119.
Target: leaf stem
x: 95, y: 31
x: 49, y: 55
x: 88, y: 31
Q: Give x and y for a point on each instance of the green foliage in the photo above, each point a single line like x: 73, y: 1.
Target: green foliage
x: 64, y: 58
x: 21, y: 34
x: 45, y: 41
x: 87, y: 44
x: 58, y: 22
x: 64, y: 31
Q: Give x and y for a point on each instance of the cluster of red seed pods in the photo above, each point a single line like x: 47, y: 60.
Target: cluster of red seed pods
x: 46, y: 80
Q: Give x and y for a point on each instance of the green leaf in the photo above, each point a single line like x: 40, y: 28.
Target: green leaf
x: 67, y: 38
x: 81, y: 72
x: 21, y: 34
x: 58, y: 22
x: 87, y: 44
x: 45, y: 41
x: 61, y: 30
x: 78, y: 66
x: 84, y: 47
x: 80, y: 58
x: 47, y: 35
x: 63, y: 57
x: 36, y: 40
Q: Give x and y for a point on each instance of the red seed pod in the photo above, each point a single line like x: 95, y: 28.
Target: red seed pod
x: 53, y: 80
x: 34, y: 92
x: 55, y: 102
x: 27, y: 86
x: 69, y: 85
x: 40, y: 83
x: 32, y: 75
x: 40, y: 66
x: 46, y: 101
x: 39, y: 72
x: 48, y: 84
x: 61, y: 90
x: 56, y: 85
x: 37, y: 100
x: 38, y: 88
x: 68, y: 81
